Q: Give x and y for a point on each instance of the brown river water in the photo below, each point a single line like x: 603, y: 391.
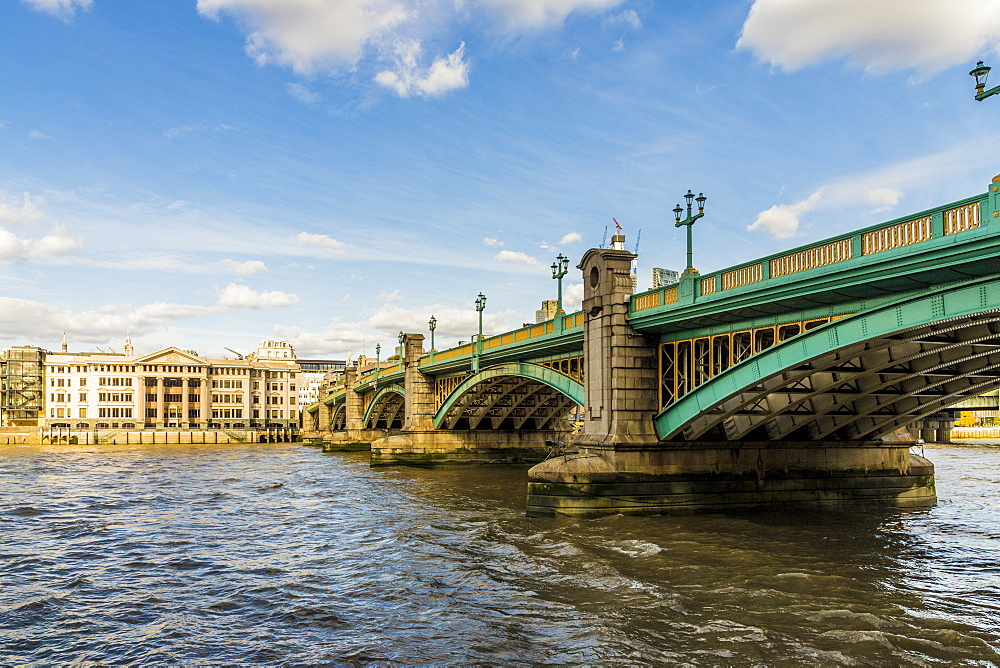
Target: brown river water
x: 283, y: 554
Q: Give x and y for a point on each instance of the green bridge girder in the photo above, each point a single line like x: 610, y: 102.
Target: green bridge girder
x: 510, y: 395
x: 859, y: 377
x: 385, y: 410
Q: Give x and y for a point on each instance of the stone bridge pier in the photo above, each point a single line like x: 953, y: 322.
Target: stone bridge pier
x: 623, y: 467
x: 355, y: 436
x: 421, y: 443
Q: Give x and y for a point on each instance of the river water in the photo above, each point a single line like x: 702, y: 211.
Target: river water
x: 281, y: 553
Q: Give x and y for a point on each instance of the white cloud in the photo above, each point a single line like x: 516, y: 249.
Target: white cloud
x: 492, y: 242
x: 877, y: 36
x: 409, y: 78
x: 56, y: 242
x: 247, y: 268
x: 531, y: 14
x: 303, y: 94
x: 310, y: 34
x: 36, y: 321
x: 629, y: 18
x: 389, y: 297
x: 63, y: 9
x: 572, y: 297
x: 320, y: 242
x: 570, y: 238
x: 782, y: 220
x: 242, y: 296
x: 884, y: 199
x: 37, y: 134
x: 514, y: 256
x: 19, y: 209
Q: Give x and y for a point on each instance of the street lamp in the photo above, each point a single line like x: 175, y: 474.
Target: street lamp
x: 689, y: 221
x: 401, y: 336
x: 432, y: 325
x: 378, y: 351
x: 480, y: 306
x: 979, y: 74
x: 559, y: 269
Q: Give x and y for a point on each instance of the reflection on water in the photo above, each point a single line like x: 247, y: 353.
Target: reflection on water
x: 280, y: 553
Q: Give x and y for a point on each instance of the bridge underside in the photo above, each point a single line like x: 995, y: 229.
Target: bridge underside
x: 508, y: 403
x: 386, y: 411
x: 863, y: 390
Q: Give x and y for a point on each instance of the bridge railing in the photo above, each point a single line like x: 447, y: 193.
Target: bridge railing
x: 934, y: 223
x: 570, y: 322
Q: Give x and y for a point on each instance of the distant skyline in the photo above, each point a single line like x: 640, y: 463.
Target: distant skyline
x: 207, y: 174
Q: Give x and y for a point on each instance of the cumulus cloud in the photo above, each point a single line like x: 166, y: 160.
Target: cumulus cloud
x: 409, y: 78
x: 517, y: 257
x: 20, y: 208
x: 782, y: 220
x: 884, y: 199
x: 235, y: 295
x: 63, y: 9
x: 877, y: 36
x: 247, y: 268
x: 57, y: 242
x: 36, y: 321
x: 572, y: 296
x: 531, y: 14
x: 321, y: 242
x: 308, y: 34
x: 570, y: 238
x: 492, y: 242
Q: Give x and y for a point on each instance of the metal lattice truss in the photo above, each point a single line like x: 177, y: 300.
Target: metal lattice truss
x: 509, y: 402
x: 339, y: 421
x: 863, y: 390
x: 385, y: 411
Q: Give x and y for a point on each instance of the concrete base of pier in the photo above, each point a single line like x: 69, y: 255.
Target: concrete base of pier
x: 351, y: 440
x: 436, y: 448
x: 707, y: 477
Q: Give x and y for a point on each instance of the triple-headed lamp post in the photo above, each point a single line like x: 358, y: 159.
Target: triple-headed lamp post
x: 689, y: 221
x: 980, y: 73
x: 559, y: 269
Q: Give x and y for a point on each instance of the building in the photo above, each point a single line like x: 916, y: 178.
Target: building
x: 22, y: 397
x: 663, y: 277
x: 312, y: 374
x: 548, y: 310
x: 171, y: 389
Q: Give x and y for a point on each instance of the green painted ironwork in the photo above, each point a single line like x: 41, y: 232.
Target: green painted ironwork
x: 933, y: 305
x: 383, y: 391
x: 546, y: 376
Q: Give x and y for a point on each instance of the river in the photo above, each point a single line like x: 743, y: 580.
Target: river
x: 283, y: 554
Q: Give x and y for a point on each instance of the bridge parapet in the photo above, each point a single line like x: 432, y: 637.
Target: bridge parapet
x: 886, y: 256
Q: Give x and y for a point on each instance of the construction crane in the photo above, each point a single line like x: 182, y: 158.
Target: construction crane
x: 239, y: 356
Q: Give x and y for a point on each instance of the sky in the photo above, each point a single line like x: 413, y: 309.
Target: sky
x: 206, y: 174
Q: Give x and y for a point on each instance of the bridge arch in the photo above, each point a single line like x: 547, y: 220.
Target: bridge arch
x: 338, y: 422
x: 385, y: 410
x: 856, y: 378
x: 514, y: 395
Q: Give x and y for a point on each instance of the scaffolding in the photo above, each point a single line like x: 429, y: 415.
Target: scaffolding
x: 22, y: 392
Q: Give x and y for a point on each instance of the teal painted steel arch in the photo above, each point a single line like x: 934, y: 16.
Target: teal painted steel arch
x: 542, y: 374
x: 933, y: 305
x: 388, y: 389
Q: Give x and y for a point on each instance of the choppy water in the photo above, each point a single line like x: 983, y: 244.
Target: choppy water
x: 281, y: 554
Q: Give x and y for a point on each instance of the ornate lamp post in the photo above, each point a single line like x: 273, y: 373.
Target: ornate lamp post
x: 559, y: 269
x: 689, y: 221
x: 401, y: 337
x: 979, y: 74
x: 480, y: 307
x: 432, y: 325
x: 378, y: 351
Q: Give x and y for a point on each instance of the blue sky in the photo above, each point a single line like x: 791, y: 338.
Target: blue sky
x: 210, y: 173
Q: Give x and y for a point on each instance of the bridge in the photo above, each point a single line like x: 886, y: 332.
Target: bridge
x: 788, y: 379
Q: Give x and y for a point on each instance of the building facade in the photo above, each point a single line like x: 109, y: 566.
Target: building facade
x: 22, y: 396
x: 548, y: 310
x: 663, y: 277
x: 169, y: 389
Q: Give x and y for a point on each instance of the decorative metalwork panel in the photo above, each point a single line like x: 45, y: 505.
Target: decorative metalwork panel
x: 686, y: 364
x: 962, y: 218
x: 896, y: 236
x: 443, y: 387
x: 742, y: 276
x: 810, y: 258
x: 570, y: 366
x: 708, y: 285
x: 648, y: 300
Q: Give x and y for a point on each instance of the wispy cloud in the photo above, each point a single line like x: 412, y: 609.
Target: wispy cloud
x: 883, y: 199
x: 489, y: 241
x: 409, y: 78
x: 17, y: 209
x: 61, y: 9
x: 516, y: 257
x: 321, y: 242
x: 247, y: 268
